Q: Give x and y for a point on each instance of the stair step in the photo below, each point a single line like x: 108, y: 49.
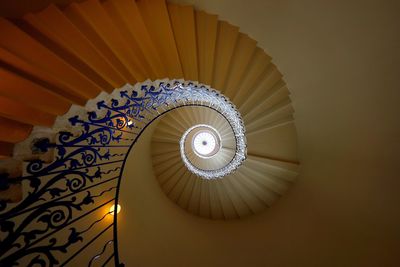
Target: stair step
x: 205, y: 207
x: 170, y: 186
x: 241, y: 208
x: 281, y: 169
x: 277, y: 94
x: 23, y: 91
x: 169, y: 173
x: 246, y: 193
x: 37, y: 55
x: 265, y: 196
x: 163, y: 147
x: 40, y: 77
x: 24, y: 114
x: 183, y: 25
x: 215, y: 201
x: 156, y: 18
x: 244, y: 50
x: 228, y: 208
x: 281, y: 110
x: 130, y: 19
x: 270, y: 78
x: 165, y: 157
x: 227, y: 36
x: 252, y: 75
x: 206, y: 29
x: 54, y: 37
x: 13, y: 131
x: 186, y: 195
x: 164, y: 166
x: 92, y: 13
x: 114, y: 10
x: 77, y: 16
x: 265, y: 143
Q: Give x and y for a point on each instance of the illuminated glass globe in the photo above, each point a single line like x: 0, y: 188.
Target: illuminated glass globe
x: 112, y: 209
x: 206, y: 142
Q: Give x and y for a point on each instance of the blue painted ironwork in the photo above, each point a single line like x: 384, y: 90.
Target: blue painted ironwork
x: 55, y: 222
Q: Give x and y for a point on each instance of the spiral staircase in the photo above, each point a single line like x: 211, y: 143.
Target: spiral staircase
x: 83, y: 60
x: 254, y: 186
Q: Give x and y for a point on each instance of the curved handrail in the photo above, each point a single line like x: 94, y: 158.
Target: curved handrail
x: 85, y: 176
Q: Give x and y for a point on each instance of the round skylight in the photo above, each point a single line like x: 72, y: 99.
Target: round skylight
x: 214, y: 100
x: 204, y: 143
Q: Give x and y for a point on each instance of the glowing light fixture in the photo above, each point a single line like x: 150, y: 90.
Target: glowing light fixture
x: 112, y: 209
x: 129, y: 122
x: 204, y: 143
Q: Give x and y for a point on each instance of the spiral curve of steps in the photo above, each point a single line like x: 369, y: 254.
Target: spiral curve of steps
x: 252, y: 188
x: 63, y: 56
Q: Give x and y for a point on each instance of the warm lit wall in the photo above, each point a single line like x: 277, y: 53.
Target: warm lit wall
x: 296, y: 231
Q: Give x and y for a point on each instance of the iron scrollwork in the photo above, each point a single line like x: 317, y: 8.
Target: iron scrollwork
x: 84, y: 175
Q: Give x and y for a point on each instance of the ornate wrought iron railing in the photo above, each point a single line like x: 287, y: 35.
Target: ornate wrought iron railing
x: 64, y: 217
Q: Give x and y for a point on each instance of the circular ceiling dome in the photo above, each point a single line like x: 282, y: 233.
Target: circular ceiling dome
x: 203, y: 150
x: 206, y: 141
x: 181, y: 163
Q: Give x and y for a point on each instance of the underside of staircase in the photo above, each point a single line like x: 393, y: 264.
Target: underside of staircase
x: 59, y: 61
x: 62, y: 56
